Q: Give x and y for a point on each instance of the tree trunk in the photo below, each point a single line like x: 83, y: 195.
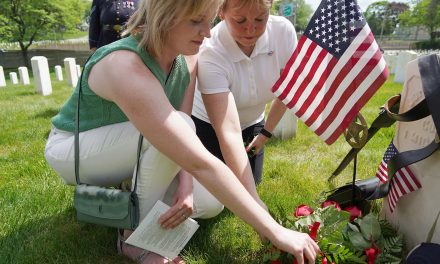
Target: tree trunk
x: 24, y: 54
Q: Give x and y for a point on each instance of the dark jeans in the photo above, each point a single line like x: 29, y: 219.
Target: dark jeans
x: 206, y: 134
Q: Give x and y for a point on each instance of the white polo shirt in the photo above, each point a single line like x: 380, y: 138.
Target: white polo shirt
x: 223, y: 67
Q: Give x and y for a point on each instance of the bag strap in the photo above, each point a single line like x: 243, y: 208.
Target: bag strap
x: 429, y: 67
x: 421, y: 110
x: 76, y: 143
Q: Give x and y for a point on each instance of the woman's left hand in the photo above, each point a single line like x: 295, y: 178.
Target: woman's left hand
x: 182, y: 207
x: 257, y: 144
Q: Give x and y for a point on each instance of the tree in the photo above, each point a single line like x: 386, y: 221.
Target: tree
x: 425, y: 13
x: 382, y: 17
x: 303, y: 12
x: 26, y: 21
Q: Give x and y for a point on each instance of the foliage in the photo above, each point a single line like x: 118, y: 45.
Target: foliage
x: 26, y: 21
x: 425, y: 13
x: 303, y: 12
x: 382, y: 17
x: 341, y: 238
x: 428, y: 45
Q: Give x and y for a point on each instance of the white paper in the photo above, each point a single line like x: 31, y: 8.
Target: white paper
x: 150, y: 236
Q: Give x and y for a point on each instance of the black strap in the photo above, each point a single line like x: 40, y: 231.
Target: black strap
x: 76, y: 143
x: 421, y: 110
x: 429, y: 68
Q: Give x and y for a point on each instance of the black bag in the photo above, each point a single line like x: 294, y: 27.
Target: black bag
x: 357, y: 194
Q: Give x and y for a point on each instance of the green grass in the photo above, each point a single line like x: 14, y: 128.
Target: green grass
x: 37, y: 220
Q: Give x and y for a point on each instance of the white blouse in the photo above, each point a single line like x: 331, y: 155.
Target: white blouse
x: 223, y: 67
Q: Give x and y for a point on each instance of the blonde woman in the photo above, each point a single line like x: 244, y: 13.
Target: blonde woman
x: 144, y: 84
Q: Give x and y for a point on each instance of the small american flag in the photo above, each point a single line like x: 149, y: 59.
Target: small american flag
x: 403, y: 182
x: 335, y: 69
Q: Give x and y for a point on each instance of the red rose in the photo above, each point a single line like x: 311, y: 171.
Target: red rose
x: 354, y: 212
x: 303, y: 210
x: 329, y: 203
x: 313, y: 229
x: 324, y: 260
x: 372, y: 254
x: 275, y: 262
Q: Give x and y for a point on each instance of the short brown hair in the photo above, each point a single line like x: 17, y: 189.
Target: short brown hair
x: 261, y: 3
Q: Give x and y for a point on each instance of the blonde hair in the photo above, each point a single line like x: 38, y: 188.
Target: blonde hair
x: 263, y: 4
x: 155, y: 18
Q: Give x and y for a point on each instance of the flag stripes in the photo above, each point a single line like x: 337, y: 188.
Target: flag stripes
x: 321, y: 90
x: 335, y: 69
x: 403, y: 182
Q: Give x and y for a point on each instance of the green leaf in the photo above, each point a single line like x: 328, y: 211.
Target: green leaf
x: 353, y: 227
x: 370, y: 227
x: 358, y: 240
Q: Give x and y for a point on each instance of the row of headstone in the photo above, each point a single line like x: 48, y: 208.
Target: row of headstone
x: 40, y: 70
x: 397, y: 61
x: 286, y: 128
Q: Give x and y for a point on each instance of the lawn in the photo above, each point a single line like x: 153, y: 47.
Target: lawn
x: 38, y: 223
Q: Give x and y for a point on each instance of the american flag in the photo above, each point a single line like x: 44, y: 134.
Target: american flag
x: 403, y: 182
x: 335, y: 69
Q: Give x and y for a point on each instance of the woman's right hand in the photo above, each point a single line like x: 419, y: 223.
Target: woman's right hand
x: 300, y: 245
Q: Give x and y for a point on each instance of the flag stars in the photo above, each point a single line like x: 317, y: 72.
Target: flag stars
x: 332, y: 26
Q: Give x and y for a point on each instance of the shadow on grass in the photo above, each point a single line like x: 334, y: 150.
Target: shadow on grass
x: 48, y: 113
x: 60, y: 239
x: 27, y: 93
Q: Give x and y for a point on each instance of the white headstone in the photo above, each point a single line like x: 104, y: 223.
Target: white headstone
x: 40, y: 69
x: 13, y: 77
x: 402, y: 60
x: 24, y: 75
x: 415, y: 212
x: 2, y: 77
x: 78, y: 70
x: 58, y: 73
x: 71, y: 72
x: 286, y: 128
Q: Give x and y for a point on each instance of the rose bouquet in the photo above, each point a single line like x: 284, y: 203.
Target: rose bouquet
x: 344, y: 236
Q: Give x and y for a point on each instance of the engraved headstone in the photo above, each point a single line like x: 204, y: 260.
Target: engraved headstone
x: 71, y: 71
x: 40, y: 70
x: 58, y: 73
x: 2, y: 77
x: 286, y: 128
x: 13, y: 77
x: 24, y: 75
x: 415, y: 212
